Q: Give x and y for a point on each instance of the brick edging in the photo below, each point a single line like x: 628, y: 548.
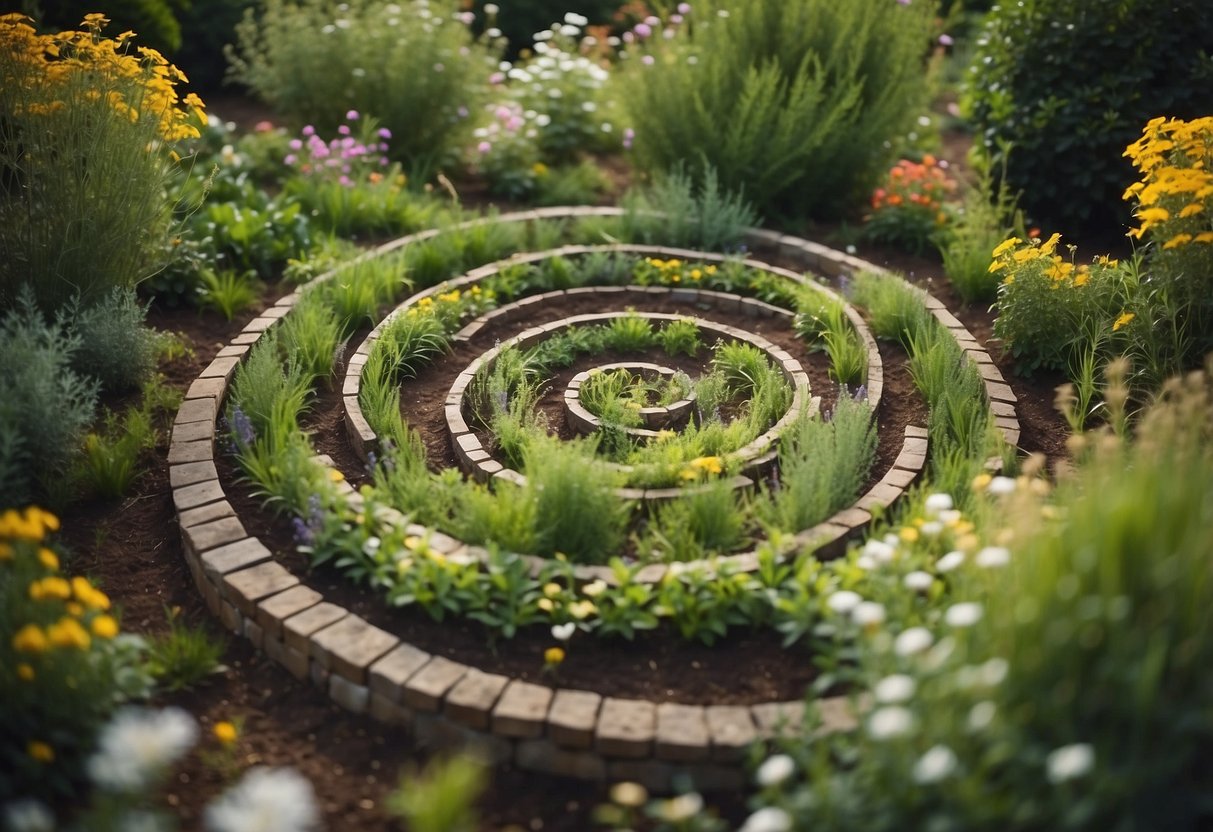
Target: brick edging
x: 368, y: 670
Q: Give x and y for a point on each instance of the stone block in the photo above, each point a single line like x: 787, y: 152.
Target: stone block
x: 354, y: 698
x: 573, y: 717
x: 200, y: 493
x: 206, y: 536
x: 388, y: 675
x: 732, y: 730
x: 272, y: 611
x: 470, y: 702
x: 197, y: 410
x: 548, y: 758
x: 248, y: 586
x: 191, y: 473
x: 682, y: 733
x: 297, y: 630
x: 522, y: 710
x: 233, y: 556
x: 626, y: 728
x: 390, y: 712
x: 426, y: 688
x: 349, y: 646
x: 205, y: 514
x: 191, y: 432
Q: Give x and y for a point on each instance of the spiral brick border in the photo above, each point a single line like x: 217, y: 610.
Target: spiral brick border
x: 368, y: 670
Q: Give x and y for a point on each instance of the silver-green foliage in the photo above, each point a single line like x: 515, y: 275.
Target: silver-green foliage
x: 792, y: 101
x: 45, y: 406
x: 116, y: 347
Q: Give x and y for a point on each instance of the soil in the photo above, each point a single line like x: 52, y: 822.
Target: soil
x: 133, y: 550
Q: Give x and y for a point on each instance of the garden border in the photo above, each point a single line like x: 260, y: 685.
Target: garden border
x: 367, y: 670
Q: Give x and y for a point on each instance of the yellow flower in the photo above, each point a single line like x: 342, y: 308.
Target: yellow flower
x: 582, y: 609
x: 88, y: 595
x: 909, y: 534
x: 545, y: 604
x: 708, y: 464
x: 104, y: 626
x: 335, y: 475
x: 67, y: 632
x: 551, y: 590
x: 40, y: 752
x: 1154, y: 215
x: 1203, y: 237
x: 48, y: 559
x: 25, y: 673
x: 1177, y: 241
x: 981, y: 481
x: 1123, y: 320
x: 1191, y: 210
x: 539, y: 169
x: 225, y: 732
x: 52, y: 587
x: 30, y: 639
x: 553, y: 656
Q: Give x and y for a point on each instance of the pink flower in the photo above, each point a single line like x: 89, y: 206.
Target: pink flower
x: 945, y: 40
x: 290, y: 159
x: 643, y: 30
x: 484, y: 147
x: 344, y: 129
x: 309, y: 130
x: 295, y: 144
x: 263, y: 126
x: 628, y: 136
x: 496, y: 78
x: 684, y: 8
x: 647, y: 60
x: 351, y: 115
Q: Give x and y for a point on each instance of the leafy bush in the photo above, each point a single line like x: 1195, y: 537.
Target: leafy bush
x: 1068, y: 688
x: 86, y: 136
x: 987, y: 217
x: 45, y: 406
x: 413, y: 66
x: 64, y: 666
x: 1065, y: 121
x: 116, y: 347
x: 675, y: 210
x: 908, y: 208
x: 792, y: 101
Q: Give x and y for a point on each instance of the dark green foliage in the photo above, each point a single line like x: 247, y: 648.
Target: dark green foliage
x: 116, y: 348
x: 1068, y: 84
x: 45, y: 406
x: 792, y: 101
x: 154, y: 21
x: 207, y: 27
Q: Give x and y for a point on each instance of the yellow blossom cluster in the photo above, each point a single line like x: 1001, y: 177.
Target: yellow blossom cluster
x: 47, y: 74
x: 1175, y: 194
x: 703, y: 466
x: 1014, y: 253
x: 74, y: 610
x: 664, y: 272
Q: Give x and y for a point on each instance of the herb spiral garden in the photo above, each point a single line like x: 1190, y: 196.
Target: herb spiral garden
x: 568, y: 447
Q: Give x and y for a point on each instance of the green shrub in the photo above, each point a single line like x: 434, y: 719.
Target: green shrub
x: 577, y: 512
x: 792, y: 101
x: 116, y: 347
x: 111, y: 456
x: 675, y: 210
x: 1064, y: 85
x: 87, y: 130
x: 1068, y: 687
x: 185, y: 655
x: 313, y: 63
x: 45, y: 405
x: 987, y: 216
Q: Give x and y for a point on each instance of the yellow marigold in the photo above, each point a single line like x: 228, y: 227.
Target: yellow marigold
x: 48, y: 559
x: 1154, y: 215
x: 1177, y: 241
x: 1203, y: 237
x: 89, y: 595
x: 104, y: 626
x: 1191, y: 210
x: 30, y: 639
x: 1124, y: 319
x: 25, y: 672
x: 225, y: 732
x: 553, y: 656
x: 67, y: 632
x: 1005, y: 246
x: 40, y: 752
x: 52, y: 587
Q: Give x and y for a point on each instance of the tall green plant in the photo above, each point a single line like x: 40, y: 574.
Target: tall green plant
x: 792, y: 101
x: 413, y: 66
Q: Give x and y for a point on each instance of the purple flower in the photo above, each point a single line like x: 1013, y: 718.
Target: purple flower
x: 309, y: 130
x: 945, y: 39
x: 344, y: 129
x: 290, y: 159
x: 384, y: 133
x: 484, y: 147
x: 494, y: 79
x: 351, y: 115
x: 643, y: 30
x: 684, y: 8
x: 295, y: 144
x: 242, y: 428
x: 628, y: 136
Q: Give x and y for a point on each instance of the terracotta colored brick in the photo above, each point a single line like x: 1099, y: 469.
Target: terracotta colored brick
x: 682, y: 732
x: 248, y: 586
x: 272, y: 611
x: 297, y: 629
x: 472, y: 699
x: 350, y: 646
x: 233, y: 556
x: 573, y: 717
x: 521, y: 710
x: 626, y: 728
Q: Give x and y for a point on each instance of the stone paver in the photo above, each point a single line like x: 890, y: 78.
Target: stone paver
x: 573, y: 716
x: 521, y: 710
x: 350, y: 646
x: 626, y: 727
x: 425, y: 689
x: 272, y: 611
x: 248, y: 586
x: 233, y: 556
x: 472, y: 699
